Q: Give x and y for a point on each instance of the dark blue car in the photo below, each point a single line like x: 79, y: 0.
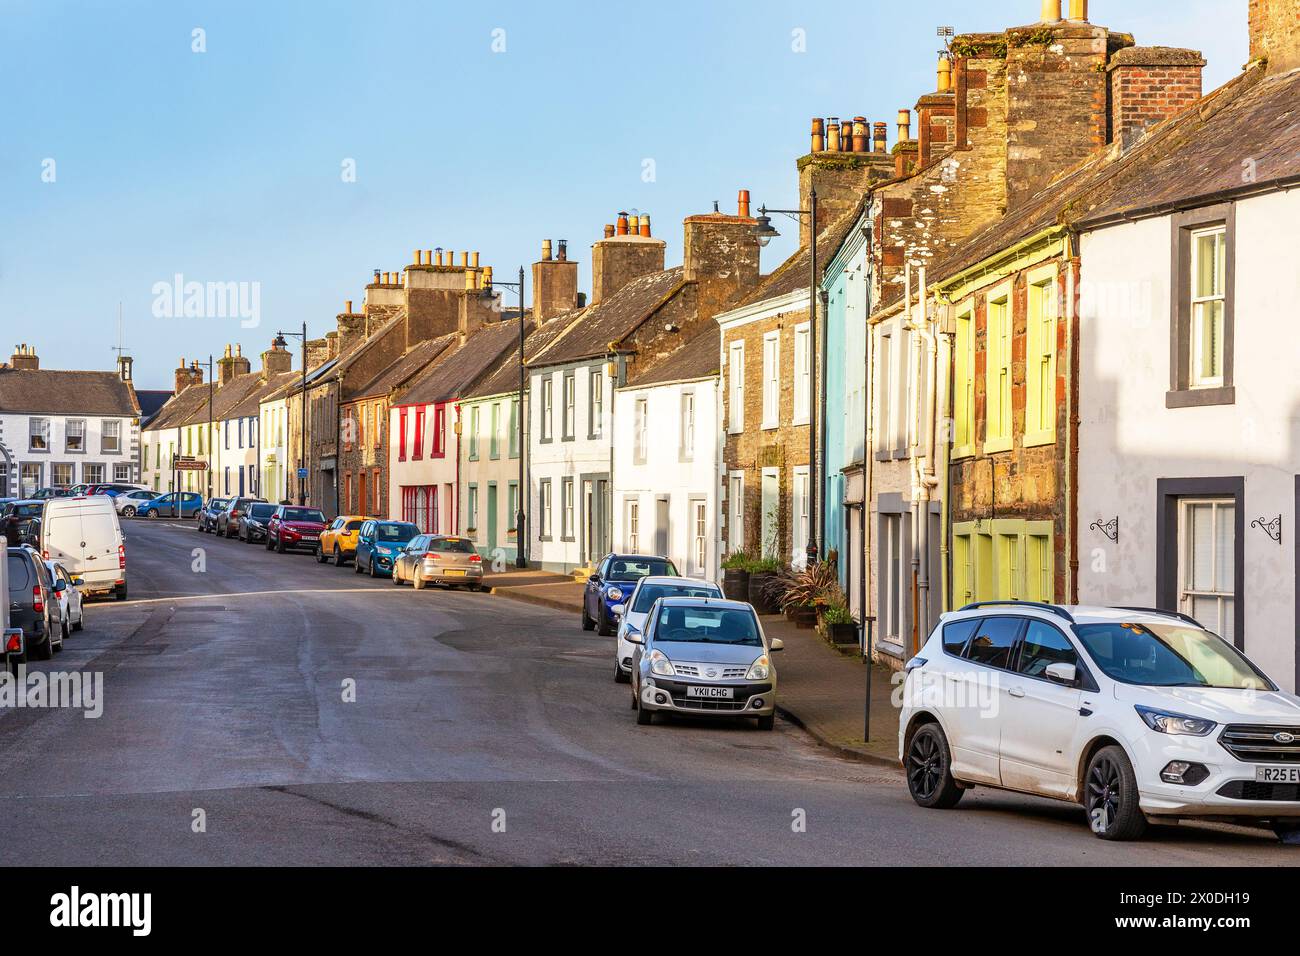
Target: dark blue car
x: 378, y: 543
x: 613, y: 581
x: 166, y: 506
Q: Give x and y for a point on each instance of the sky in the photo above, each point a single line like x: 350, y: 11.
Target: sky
x: 293, y: 148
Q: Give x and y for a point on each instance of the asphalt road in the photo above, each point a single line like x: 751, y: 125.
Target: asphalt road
x: 483, y: 731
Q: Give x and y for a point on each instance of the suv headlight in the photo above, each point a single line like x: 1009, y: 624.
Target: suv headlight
x: 761, y: 669
x: 661, y: 665
x: 614, y: 594
x: 1165, y: 722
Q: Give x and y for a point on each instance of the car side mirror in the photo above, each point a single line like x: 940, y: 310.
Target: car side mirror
x: 78, y: 582
x: 618, y: 610
x: 1066, y: 674
x: 60, y: 587
x: 633, y: 637
x: 777, y: 645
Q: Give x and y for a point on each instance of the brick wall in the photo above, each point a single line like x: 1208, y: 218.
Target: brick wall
x: 1150, y: 84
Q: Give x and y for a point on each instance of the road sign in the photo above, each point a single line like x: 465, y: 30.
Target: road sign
x: 302, y: 472
x: 191, y: 465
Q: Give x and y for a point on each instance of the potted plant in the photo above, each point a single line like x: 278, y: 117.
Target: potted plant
x: 806, y: 590
x: 735, y: 576
x: 838, y: 625
x: 761, y: 573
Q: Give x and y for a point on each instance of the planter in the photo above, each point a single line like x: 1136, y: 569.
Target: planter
x: 735, y: 584
x: 842, y: 633
x: 804, y: 617
x: 757, y: 581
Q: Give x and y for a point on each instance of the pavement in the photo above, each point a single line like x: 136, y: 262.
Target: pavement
x: 543, y: 588
x: 265, y: 709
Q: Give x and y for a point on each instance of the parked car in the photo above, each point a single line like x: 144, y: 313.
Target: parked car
x: 16, y: 516
x: 70, y: 602
x: 173, y: 504
x: 13, y: 644
x: 439, y: 559
x: 226, y: 522
x: 631, y: 614
x: 85, y: 536
x: 1138, y: 715
x: 207, y: 518
x: 294, y: 528
x: 129, y: 502
x: 378, y: 544
x: 33, y: 603
x: 338, y: 542
x: 704, y: 658
x: 51, y: 492
x: 612, y: 582
x: 252, y: 523
x: 113, y: 489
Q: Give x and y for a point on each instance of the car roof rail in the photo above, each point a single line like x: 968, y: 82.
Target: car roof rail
x: 1162, y: 612
x: 1037, y: 605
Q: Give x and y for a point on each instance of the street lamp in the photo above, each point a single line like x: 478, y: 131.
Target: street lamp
x: 302, y: 430
x: 521, y: 559
x: 765, y: 233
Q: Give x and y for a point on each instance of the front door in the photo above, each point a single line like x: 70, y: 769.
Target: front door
x: 491, y: 515
x: 661, y: 527
x: 602, y: 516
x: 589, y: 521
x: 1040, y: 717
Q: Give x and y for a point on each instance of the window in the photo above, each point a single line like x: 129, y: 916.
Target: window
x: 994, y: 641
x: 894, y: 578
x: 376, y: 424
x: 513, y: 438
x: 544, y: 510
x: 596, y: 402
x: 225, y: 433
x: 770, y: 515
x: 1007, y: 559
x: 1040, y: 359
x: 799, y: 508
x: 957, y: 634
x: 736, y: 519
x: 92, y: 473
x: 633, y: 525
x: 687, y: 451
x: 38, y: 434
x: 964, y: 384
x: 512, y: 503
x: 736, y: 388
x: 417, y: 452
x: 61, y: 474
x: 1201, y: 323
x: 74, y: 439
x: 473, y: 433
x: 997, y: 396
x: 121, y: 472
x: 29, y: 479
x: 1208, y: 277
x: 110, y: 436
x: 1042, y: 647
x: 241, y: 433
x: 357, y: 421
x: 771, y: 379
x: 699, y: 538
x: 570, y: 406
x: 401, y: 435
x: 348, y: 501
x: 802, y: 369
x: 494, y: 438
x: 1207, y: 563
x: 546, y: 411
x: 884, y: 379
x: 439, y: 431
x: 566, y: 509
x: 640, y: 428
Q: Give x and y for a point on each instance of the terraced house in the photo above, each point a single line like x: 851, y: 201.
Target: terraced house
x: 63, y: 428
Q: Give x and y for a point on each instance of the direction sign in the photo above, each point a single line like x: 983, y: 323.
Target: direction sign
x: 191, y: 465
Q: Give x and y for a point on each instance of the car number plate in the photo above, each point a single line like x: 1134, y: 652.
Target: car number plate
x: 1277, y: 774
x: 310, y: 537
x: 711, y: 693
x: 453, y: 573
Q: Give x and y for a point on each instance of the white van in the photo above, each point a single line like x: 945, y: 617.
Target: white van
x: 83, y: 534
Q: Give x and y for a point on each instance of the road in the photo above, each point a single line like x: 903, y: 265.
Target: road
x: 483, y: 731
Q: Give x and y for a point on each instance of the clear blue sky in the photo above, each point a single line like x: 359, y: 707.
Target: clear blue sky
x: 225, y: 165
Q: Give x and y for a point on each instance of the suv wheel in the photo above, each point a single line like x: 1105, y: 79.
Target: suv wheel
x: 929, y: 770
x: 128, y: 512
x: 320, y: 554
x: 338, y: 558
x: 1111, y: 796
x: 587, y: 623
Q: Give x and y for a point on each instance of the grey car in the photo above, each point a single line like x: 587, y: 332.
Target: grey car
x: 631, y: 615
x: 703, y: 657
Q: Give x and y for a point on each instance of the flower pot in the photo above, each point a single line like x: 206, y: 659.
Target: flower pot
x: 757, y: 581
x: 735, y: 584
x: 805, y: 617
x: 842, y: 633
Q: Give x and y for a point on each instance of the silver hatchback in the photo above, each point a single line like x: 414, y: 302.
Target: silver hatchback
x: 703, y: 657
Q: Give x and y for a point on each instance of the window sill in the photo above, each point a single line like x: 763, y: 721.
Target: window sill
x: 1200, y: 397
x: 799, y: 420
x: 1037, y: 439
x: 995, y: 445
x: 770, y: 426
x: 963, y: 451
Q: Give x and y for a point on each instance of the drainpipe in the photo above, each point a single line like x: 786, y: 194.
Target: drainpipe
x: 914, y: 328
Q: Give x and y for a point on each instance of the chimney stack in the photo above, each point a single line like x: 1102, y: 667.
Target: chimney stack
x: 226, y: 366
x: 25, y: 358
x: 555, y: 282
x: 720, y: 254
x: 276, y: 360
x: 882, y: 137
x: 124, y: 367
x: 617, y: 260
x: 187, y: 375
x: 1275, y: 34
x: 1148, y: 85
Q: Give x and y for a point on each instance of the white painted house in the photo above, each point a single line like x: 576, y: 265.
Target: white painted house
x: 1189, y: 401
x: 666, y: 471
x: 63, y: 428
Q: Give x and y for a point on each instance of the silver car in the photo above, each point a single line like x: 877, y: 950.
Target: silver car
x: 632, y: 614
x: 703, y: 657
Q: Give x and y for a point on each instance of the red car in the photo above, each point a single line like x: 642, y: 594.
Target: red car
x: 293, y: 528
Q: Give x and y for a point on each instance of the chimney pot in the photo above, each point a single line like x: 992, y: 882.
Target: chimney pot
x: 415, y: 257
x: 1051, y: 11
x: 904, y: 125
x: 833, y: 136
x: 818, y: 135
x: 645, y: 225
x: 742, y: 204
x: 882, y: 137
x: 563, y: 254
x: 622, y: 224
x: 609, y: 231
x: 474, y: 260
x: 546, y: 250
x: 634, y: 225
x: 861, y: 135
x: 945, y: 75
x: 438, y: 254
x: 1079, y: 11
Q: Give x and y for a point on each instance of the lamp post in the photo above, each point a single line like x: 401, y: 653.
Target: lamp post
x: 302, y: 430
x: 765, y: 233
x: 521, y: 558
x: 211, y: 386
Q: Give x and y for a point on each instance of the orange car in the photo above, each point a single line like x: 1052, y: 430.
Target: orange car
x: 339, y: 540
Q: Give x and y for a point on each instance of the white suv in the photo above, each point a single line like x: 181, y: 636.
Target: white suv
x: 1136, y: 714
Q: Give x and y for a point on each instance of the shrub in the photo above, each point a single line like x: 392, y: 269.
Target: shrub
x: 737, y: 561
x: 816, y: 586
x: 837, y: 614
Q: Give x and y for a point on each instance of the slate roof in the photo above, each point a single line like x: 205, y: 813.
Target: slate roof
x: 462, y: 368
x: 1186, y: 161
x: 792, y: 275
x: 398, y: 373
x: 151, y: 401
x: 696, y: 359
x: 505, y: 377
x: 589, y: 335
x: 58, y: 392
x: 182, y: 408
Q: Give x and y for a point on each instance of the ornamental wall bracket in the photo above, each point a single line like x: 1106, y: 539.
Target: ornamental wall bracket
x: 1271, y: 528
x: 1109, y: 528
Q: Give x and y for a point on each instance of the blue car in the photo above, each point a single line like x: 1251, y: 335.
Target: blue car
x: 378, y: 543
x: 613, y: 581
x: 166, y: 506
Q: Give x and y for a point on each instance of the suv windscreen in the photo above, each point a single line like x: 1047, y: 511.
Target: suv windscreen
x: 302, y: 514
x: 649, y: 593
x: 706, y: 625
x: 1168, y: 655
x: 451, y: 545
x: 632, y: 569
x: 261, y: 512
x: 394, y: 532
